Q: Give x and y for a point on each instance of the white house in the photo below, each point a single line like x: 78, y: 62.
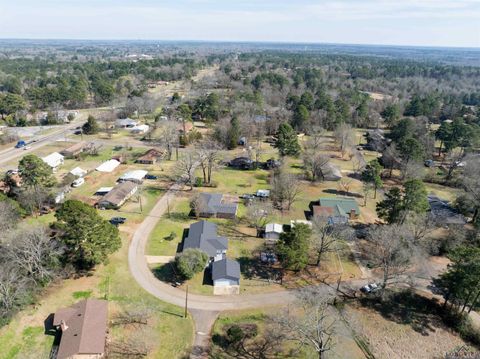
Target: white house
x: 273, y: 231
x: 54, y: 160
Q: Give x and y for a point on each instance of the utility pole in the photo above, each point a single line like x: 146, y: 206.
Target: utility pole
x: 186, y: 303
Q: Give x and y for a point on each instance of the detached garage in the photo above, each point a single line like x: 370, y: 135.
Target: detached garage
x: 226, y: 277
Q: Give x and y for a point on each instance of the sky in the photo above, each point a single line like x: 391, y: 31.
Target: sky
x: 390, y: 22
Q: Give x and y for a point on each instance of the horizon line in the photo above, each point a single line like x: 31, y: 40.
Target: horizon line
x: 274, y: 42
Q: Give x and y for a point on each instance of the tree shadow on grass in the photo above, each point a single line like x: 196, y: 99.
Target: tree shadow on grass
x: 178, y: 217
x: 406, y: 307
x: 166, y: 273
x: 342, y: 193
x: 252, y: 268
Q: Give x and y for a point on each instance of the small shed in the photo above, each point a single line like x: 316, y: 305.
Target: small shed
x: 108, y: 166
x: 140, y: 129
x: 273, y: 231
x: 78, y: 172
x: 125, y: 123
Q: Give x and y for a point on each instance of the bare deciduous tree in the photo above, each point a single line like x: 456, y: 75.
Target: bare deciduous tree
x: 314, y: 164
x: 8, y: 216
x: 34, y: 253
x: 208, y: 157
x: 169, y: 137
x: 327, y: 238
x: 259, y: 213
x: 313, y: 323
x: 392, y: 251
x: 285, y: 189
x: 345, y: 136
x: 185, y: 168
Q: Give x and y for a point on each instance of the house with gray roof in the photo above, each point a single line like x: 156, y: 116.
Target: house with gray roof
x: 214, y: 205
x: 226, y: 276
x: 203, y: 235
x: 443, y: 214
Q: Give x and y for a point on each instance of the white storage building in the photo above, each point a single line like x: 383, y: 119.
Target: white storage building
x: 136, y: 176
x: 108, y: 166
x: 54, y: 160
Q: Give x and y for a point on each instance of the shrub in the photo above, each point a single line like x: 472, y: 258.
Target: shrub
x: 190, y: 262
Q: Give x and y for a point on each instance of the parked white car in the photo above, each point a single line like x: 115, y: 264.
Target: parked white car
x: 369, y: 288
x: 78, y: 182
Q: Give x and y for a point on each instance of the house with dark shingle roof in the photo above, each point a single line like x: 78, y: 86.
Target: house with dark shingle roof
x: 203, y: 235
x: 83, y: 328
x: 337, y: 209
x: 226, y: 272
x: 443, y: 214
x: 214, y: 205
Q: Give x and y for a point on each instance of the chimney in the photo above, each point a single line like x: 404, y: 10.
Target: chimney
x: 353, y: 214
x: 63, y: 326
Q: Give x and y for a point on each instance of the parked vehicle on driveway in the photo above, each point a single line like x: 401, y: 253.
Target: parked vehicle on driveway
x: 78, y: 182
x: 117, y: 220
x: 151, y: 177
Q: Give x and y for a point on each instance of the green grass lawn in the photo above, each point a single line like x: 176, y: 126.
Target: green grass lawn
x: 24, y: 336
x: 177, y: 222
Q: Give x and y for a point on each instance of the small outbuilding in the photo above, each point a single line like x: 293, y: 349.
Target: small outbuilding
x: 136, y: 176
x: 226, y: 277
x: 54, y: 160
x: 108, y: 166
x: 78, y: 172
x: 125, y: 123
x: 273, y: 231
x: 140, y: 129
x: 331, y: 172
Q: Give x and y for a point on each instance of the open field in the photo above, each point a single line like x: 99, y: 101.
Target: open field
x: 410, y: 335
x: 345, y: 346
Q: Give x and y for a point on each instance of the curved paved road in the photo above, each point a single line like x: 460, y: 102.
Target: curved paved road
x: 144, y: 276
x: 204, y: 309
